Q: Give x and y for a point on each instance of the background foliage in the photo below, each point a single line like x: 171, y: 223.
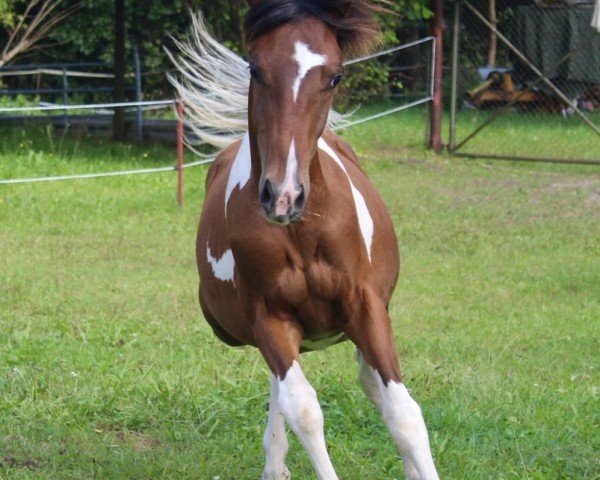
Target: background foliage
x: 86, y: 36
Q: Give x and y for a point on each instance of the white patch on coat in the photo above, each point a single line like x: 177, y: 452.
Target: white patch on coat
x: 405, y: 422
x: 240, y: 170
x: 365, y: 221
x: 306, y: 59
x: 223, y: 268
x: 369, y: 381
x: 300, y: 407
x: 275, y: 438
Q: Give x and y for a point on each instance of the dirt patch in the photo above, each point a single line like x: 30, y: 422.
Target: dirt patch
x: 413, y: 162
x: 13, y: 462
x: 583, y: 184
x: 497, y: 183
x: 133, y: 439
x: 593, y: 199
x: 137, y: 441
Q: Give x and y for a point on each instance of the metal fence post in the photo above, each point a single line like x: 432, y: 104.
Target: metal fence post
x: 453, y: 94
x: 65, y: 95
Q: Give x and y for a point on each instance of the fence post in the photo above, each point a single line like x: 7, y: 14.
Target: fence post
x: 435, y: 137
x: 65, y: 95
x: 179, y: 153
x: 138, y: 87
x: 453, y: 100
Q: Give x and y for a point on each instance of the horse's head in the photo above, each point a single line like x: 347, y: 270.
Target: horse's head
x: 296, y: 50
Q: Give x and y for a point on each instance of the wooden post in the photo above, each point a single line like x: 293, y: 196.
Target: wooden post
x: 435, y: 136
x: 179, y: 153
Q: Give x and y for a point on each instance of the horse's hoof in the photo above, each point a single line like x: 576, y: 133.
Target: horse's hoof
x: 283, y: 474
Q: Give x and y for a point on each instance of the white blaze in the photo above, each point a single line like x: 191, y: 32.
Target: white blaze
x: 365, y: 222
x: 306, y: 59
x: 291, y: 169
x: 240, y: 170
x: 223, y: 267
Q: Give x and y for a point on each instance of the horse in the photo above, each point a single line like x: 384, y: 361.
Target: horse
x: 296, y: 250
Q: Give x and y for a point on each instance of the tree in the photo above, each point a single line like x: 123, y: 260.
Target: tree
x: 88, y: 36
x: 26, y: 23
x: 119, y: 69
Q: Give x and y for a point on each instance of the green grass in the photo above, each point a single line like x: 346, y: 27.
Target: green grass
x: 535, y: 134
x: 108, y: 371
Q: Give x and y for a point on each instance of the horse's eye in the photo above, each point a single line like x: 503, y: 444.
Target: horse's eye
x: 335, y: 81
x: 254, y: 72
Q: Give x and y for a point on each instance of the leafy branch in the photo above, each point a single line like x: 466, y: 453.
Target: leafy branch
x: 37, y: 19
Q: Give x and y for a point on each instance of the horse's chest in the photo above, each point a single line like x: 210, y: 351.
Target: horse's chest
x: 312, y: 292
x: 313, y: 295
x: 316, y: 280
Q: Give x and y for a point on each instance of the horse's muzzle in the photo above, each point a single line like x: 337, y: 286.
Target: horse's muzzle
x: 282, y: 207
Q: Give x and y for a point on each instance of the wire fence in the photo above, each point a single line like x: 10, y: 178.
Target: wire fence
x: 89, y: 106
x: 526, y: 81
x: 416, y: 98
x: 69, y: 83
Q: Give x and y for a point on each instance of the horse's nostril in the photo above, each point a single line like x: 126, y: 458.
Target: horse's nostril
x: 300, y: 199
x: 267, y: 195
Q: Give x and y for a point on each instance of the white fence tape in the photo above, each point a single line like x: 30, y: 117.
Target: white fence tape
x: 89, y: 106
x: 53, y: 71
x: 155, y: 103
x: 390, y: 50
x: 103, y: 174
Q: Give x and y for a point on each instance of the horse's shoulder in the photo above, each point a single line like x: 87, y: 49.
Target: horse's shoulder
x: 341, y: 148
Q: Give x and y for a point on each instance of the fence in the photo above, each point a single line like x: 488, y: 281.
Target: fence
x: 531, y: 70
x: 411, y: 97
x: 60, y: 82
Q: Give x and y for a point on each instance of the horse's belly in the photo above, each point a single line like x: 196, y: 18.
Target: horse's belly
x: 218, y: 293
x: 309, y: 345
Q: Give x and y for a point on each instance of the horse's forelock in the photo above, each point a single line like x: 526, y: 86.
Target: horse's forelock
x: 353, y: 20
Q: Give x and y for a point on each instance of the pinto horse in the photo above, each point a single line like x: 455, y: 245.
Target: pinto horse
x: 295, y: 248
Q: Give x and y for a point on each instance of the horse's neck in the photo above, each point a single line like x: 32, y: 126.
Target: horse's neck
x: 254, y: 158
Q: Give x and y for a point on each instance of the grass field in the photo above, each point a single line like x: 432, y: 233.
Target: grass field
x: 108, y: 371
x: 542, y: 135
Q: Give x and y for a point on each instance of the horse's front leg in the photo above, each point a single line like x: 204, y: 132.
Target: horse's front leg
x: 279, y: 342
x: 275, y: 438
x: 369, y: 381
x: 381, y: 380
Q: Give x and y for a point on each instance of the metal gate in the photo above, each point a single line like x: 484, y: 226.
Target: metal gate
x: 525, y: 81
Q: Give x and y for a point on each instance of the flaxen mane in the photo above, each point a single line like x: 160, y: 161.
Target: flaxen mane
x: 213, y: 81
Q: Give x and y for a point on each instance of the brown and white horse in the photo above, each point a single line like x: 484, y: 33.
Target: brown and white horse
x: 296, y: 249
